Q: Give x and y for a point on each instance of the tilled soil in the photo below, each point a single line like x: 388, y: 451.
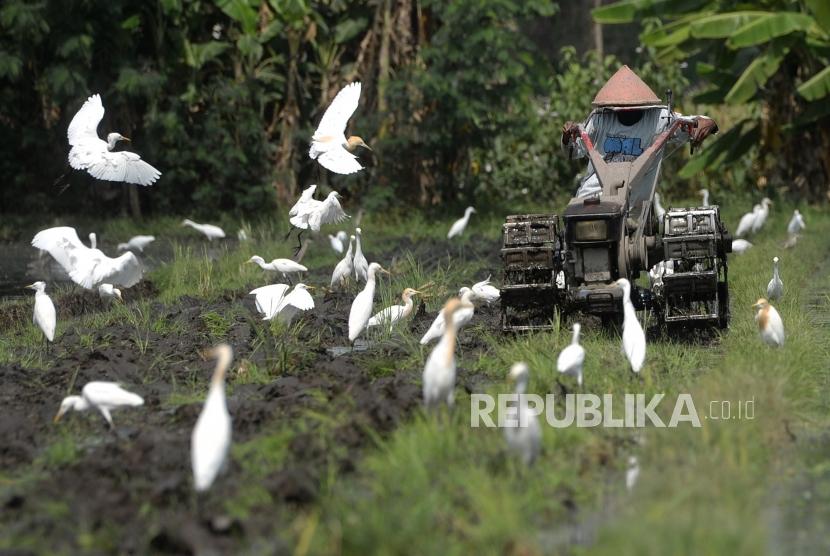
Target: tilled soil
x: 130, y: 488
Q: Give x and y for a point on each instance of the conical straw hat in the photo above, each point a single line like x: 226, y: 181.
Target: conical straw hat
x: 625, y: 89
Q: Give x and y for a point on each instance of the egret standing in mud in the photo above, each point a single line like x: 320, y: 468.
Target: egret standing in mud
x: 460, y: 225
x: 761, y: 217
x: 343, y: 271
x: 395, y: 313
x: 572, y: 357
x: 100, y: 395
x: 775, y: 288
x: 359, y: 263
x: 770, y: 325
x: 338, y: 242
x: 329, y: 145
x: 461, y: 317
x: 483, y: 291
x: 633, y: 337
x: 747, y: 221
x: 740, y: 246
x: 796, y: 224
x: 210, y: 231
x: 439, y: 371
x: 361, y: 310
x: 284, y: 266
x: 211, y: 437
x: 44, y: 315
x: 522, y: 431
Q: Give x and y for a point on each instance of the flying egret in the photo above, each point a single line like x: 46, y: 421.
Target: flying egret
x: 137, y: 243
x: 360, y: 264
x: 96, y: 156
x: 775, y: 288
x: 210, y: 231
x: 761, y: 217
x: 483, y: 291
x: 747, y: 221
x: 632, y: 473
x: 704, y: 193
x: 109, y: 292
x: 44, y: 314
x: 572, y: 357
x: 770, y: 325
x: 329, y: 145
x: 361, y: 310
x: 462, y: 317
x: 659, y: 211
x: 211, y: 437
x: 460, y: 225
x: 394, y: 313
x: 633, y: 337
x: 313, y: 214
x: 305, y: 196
x: 338, y: 242
x: 87, y: 267
x: 740, y: 246
x: 439, y: 370
x: 284, y: 266
x: 268, y: 298
x: 522, y: 431
x: 100, y: 395
x: 796, y: 224
x: 292, y: 303
x: 343, y: 271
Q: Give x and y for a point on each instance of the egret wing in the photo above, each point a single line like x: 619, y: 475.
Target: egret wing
x: 96, y: 268
x: 339, y: 161
x: 84, y: 125
x: 339, y: 111
x: 330, y: 212
x: 299, y: 298
x: 63, y: 244
x: 101, y: 393
x: 269, y: 298
x: 435, y: 329
x: 305, y: 197
x: 122, y: 166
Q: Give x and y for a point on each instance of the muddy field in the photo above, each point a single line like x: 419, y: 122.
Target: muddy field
x: 130, y: 489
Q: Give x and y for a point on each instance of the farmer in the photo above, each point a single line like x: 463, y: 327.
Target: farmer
x: 626, y: 118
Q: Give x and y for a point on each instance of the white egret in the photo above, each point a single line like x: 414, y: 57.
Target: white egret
x: 632, y: 473
x: 460, y: 225
x: 305, y: 196
x: 770, y: 325
x: 747, y: 221
x: 329, y: 145
x: 633, y: 337
x: 360, y: 264
x: 740, y: 246
x: 775, y: 288
x: 242, y: 235
x: 284, y: 266
x: 704, y: 193
x: 44, y: 315
x: 269, y: 298
x: 109, y: 292
x: 462, y: 317
x: 338, y: 242
x: 439, y: 370
x: 211, y: 437
x: 343, y: 271
x: 394, y: 313
x: 137, y: 243
x: 313, y: 214
x: 572, y: 357
x: 100, y: 395
x: 761, y: 217
x: 522, y: 431
x: 87, y: 267
x: 796, y: 224
x: 96, y: 156
x: 210, y: 231
x: 361, y: 310
x: 298, y: 300
x: 483, y: 291
x: 659, y: 211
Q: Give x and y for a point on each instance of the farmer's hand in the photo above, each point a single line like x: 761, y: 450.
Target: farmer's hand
x: 570, y: 131
x: 705, y: 128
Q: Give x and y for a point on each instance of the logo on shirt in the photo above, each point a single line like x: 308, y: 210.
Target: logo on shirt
x: 622, y: 145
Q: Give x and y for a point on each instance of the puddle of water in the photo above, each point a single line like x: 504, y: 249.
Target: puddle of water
x: 359, y: 345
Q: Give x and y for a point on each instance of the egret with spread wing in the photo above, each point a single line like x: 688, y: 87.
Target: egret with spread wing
x: 329, y: 145
x: 89, y: 152
x: 87, y: 267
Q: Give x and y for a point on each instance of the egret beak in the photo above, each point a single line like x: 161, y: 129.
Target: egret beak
x: 364, y: 145
x: 385, y: 271
x: 30, y: 287
x: 416, y: 291
x: 58, y: 415
x: 126, y: 139
x: 310, y: 288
